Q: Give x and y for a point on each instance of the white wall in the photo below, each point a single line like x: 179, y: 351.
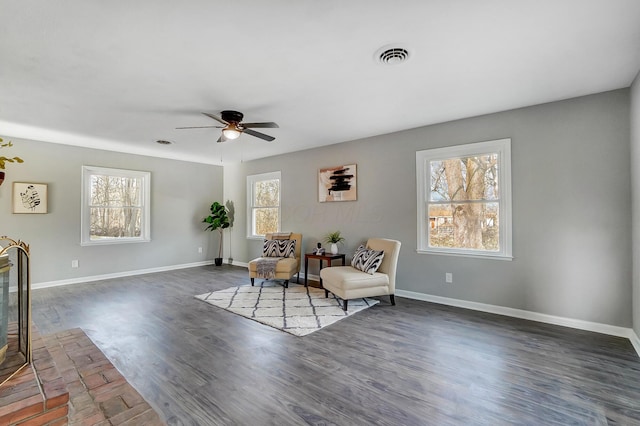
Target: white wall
x: 571, y: 207
x: 181, y: 194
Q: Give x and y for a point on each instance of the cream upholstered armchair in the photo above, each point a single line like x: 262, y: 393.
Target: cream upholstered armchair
x: 347, y: 282
x: 273, y: 266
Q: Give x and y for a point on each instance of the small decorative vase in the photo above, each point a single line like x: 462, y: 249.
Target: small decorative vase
x: 334, y: 248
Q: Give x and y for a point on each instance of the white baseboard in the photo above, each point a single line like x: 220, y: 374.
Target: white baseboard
x: 92, y: 278
x: 529, y: 315
x: 635, y: 341
x: 494, y: 309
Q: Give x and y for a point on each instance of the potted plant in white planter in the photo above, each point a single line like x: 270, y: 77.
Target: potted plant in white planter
x: 5, y: 160
x: 334, y: 238
x: 218, y: 221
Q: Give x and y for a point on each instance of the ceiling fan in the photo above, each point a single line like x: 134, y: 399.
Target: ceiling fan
x: 233, y: 126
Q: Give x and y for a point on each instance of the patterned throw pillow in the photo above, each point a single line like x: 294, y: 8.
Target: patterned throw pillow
x: 279, y: 248
x: 367, y: 260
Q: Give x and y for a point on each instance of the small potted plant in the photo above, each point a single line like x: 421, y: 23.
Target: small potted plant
x: 218, y: 221
x: 334, y: 238
x: 5, y: 160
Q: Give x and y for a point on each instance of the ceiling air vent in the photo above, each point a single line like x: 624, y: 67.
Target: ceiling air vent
x: 392, y: 55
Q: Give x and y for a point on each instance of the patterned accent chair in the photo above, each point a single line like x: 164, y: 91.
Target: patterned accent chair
x: 286, y: 267
x: 347, y: 282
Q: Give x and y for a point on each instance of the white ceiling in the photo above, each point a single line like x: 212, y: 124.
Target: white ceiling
x: 120, y: 75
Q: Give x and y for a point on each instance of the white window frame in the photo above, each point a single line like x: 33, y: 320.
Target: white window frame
x: 251, y: 184
x: 423, y: 174
x: 85, y: 232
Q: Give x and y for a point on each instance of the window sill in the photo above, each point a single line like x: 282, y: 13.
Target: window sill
x: 113, y: 241
x: 470, y: 255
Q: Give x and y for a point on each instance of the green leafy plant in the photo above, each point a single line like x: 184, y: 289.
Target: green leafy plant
x: 333, y: 237
x: 218, y: 220
x: 4, y: 160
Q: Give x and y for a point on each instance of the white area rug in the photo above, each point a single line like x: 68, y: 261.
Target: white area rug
x: 297, y: 310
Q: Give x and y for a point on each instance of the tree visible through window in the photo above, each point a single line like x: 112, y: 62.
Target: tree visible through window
x: 464, y: 198
x: 115, y: 206
x: 264, y: 203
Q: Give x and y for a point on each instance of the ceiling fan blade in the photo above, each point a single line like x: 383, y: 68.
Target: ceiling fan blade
x: 199, y: 127
x: 270, y: 125
x: 222, y: 138
x: 218, y: 119
x: 258, y: 135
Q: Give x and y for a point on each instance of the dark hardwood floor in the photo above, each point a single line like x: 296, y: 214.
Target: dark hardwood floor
x: 415, y: 363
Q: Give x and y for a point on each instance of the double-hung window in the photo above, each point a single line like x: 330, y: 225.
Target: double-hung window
x: 115, y: 206
x: 464, y: 199
x: 263, y: 203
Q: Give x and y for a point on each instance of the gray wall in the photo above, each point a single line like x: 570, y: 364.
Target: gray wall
x: 571, y: 207
x: 635, y: 187
x: 181, y: 194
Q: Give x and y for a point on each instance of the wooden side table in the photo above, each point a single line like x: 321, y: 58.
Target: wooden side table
x: 321, y: 257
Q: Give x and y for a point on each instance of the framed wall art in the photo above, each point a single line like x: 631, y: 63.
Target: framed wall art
x: 29, y: 197
x: 337, y: 184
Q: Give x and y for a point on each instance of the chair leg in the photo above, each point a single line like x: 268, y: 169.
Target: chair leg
x: 252, y: 282
x: 393, y: 299
x: 286, y: 283
x: 298, y: 278
x: 345, y: 305
x: 326, y: 293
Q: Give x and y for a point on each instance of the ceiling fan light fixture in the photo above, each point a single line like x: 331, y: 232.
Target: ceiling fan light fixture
x: 233, y: 126
x: 231, y: 132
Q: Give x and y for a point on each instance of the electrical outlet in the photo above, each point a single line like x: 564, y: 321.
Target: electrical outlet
x: 74, y: 263
x: 448, y: 277
x: 199, y: 249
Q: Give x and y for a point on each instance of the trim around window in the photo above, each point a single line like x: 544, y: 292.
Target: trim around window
x: 439, y: 207
x: 256, y: 207
x: 122, y: 209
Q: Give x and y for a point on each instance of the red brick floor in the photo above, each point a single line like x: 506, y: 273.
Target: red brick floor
x: 98, y: 393
x: 36, y: 394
